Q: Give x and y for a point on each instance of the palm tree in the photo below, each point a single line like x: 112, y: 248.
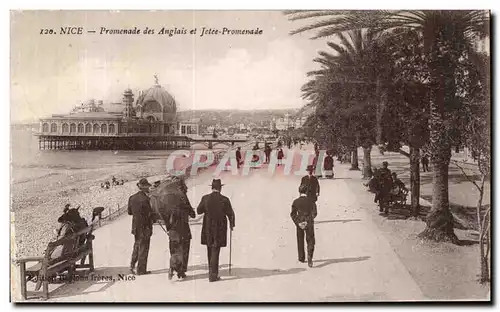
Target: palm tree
x: 447, y: 35
x: 355, y: 73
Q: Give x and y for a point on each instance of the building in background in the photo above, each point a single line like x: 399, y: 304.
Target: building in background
x: 154, y: 113
x: 189, y: 127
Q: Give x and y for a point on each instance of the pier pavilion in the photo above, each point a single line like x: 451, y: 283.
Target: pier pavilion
x: 148, y: 123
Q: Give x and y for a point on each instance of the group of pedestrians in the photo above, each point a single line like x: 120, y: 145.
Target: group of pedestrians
x: 386, y: 185
x: 217, y: 214
x: 216, y: 210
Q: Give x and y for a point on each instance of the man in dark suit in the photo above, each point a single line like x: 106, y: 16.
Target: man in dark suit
x: 385, y: 178
x: 303, y: 213
x: 238, y: 156
x: 312, y: 184
x: 216, y: 209
x: 142, y: 226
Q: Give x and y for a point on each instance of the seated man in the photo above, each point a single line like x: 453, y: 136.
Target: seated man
x: 397, y: 185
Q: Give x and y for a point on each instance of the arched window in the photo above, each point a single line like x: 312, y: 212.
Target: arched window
x: 88, y: 128
x: 72, y: 128
x: 65, y: 128
x: 151, y: 119
x: 104, y: 128
x: 95, y: 128
x: 81, y: 128
x: 45, y: 127
x: 111, y: 128
x: 53, y: 127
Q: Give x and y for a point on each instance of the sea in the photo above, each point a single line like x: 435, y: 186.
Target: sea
x: 30, y: 163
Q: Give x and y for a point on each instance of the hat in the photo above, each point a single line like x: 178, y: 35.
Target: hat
x: 216, y: 183
x: 310, y: 168
x: 143, y: 183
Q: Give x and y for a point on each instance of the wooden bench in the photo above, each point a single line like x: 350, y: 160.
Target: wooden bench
x: 398, y: 199
x: 60, y: 256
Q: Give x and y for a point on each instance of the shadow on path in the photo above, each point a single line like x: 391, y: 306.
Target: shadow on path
x: 336, y: 221
x: 190, y: 268
x: 241, y: 273
x: 100, y: 280
x: 467, y: 242
x: 325, y: 262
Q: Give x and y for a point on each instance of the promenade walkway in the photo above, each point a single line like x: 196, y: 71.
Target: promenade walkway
x: 353, y: 261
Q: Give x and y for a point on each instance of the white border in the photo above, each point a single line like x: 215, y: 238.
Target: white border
x: 183, y: 4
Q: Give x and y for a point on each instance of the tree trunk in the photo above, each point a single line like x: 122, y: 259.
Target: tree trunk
x: 483, y: 236
x: 354, y: 162
x: 367, y: 163
x: 381, y: 104
x: 439, y: 219
x: 415, y: 180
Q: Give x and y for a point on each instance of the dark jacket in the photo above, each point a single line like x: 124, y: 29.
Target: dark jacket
x: 177, y: 219
x: 385, y: 180
x: 142, y: 215
x: 217, y: 209
x: 238, y: 155
x: 267, y: 150
x: 312, y: 185
x: 303, y: 209
x: 281, y: 154
x: 328, y: 163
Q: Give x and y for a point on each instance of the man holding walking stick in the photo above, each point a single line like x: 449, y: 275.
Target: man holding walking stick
x: 216, y: 209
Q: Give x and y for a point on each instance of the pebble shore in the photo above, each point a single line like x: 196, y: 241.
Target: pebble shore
x: 34, y: 228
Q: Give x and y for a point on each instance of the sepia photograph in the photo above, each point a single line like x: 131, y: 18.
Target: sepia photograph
x: 250, y: 156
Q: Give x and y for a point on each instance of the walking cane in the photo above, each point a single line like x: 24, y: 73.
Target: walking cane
x: 230, y: 248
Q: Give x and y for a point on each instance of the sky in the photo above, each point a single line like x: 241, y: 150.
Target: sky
x: 53, y: 73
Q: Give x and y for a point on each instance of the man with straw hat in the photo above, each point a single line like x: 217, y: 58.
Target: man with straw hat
x: 216, y: 209
x: 139, y: 208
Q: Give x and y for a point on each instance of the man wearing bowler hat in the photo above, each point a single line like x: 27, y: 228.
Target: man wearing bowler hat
x: 303, y: 214
x: 142, y: 226
x: 216, y: 209
x: 312, y: 184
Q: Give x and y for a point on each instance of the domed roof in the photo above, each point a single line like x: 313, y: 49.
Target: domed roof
x: 158, y: 94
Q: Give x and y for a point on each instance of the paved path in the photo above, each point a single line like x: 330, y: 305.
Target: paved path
x: 352, y: 262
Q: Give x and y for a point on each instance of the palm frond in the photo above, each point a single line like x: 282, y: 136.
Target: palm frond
x: 298, y: 14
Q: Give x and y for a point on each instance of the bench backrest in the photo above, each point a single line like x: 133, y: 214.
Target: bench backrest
x: 68, y: 247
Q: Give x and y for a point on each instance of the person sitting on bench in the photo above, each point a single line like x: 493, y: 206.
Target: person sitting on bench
x: 397, y: 185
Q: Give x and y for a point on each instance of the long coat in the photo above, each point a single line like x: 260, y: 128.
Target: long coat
x: 217, y: 209
x: 312, y: 186
x: 328, y: 163
x: 142, y: 214
x: 303, y: 209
